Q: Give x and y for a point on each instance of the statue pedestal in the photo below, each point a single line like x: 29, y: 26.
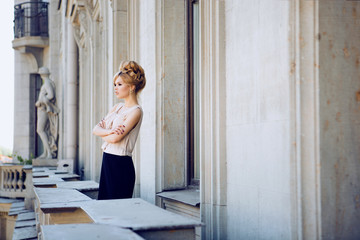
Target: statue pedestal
x: 44, y: 162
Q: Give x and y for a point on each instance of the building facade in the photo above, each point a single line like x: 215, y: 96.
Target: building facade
x: 251, y: 108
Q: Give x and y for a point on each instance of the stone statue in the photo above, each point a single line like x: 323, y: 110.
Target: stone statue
x: 47, y: 115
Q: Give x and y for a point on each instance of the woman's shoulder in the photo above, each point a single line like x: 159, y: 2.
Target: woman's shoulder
x: 136, y: 108
x: 134, y: 111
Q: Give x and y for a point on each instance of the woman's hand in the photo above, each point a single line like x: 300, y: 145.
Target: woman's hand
x: 100, y: 129
x: 102, y: 124
x: 119, y: 130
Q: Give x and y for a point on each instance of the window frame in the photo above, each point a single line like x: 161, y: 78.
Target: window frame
x: 35, y: 86
x: 190, y: 99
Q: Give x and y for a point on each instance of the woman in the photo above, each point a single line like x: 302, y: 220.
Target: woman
x: 119, y: 129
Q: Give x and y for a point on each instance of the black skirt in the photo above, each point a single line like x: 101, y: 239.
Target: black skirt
x: 117, y: 177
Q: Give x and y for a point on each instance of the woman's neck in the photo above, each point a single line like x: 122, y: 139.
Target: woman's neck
x: 130, y: 101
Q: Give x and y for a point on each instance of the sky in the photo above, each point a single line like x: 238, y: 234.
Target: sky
x: 7, y: 74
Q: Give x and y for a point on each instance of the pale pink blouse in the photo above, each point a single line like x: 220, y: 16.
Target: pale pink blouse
x: 127, y: 143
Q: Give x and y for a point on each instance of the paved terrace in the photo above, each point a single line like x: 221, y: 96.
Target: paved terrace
x: 57, y: 205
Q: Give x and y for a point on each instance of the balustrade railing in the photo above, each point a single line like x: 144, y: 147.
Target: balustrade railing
x: 15, y: 181
x: 31, y: 19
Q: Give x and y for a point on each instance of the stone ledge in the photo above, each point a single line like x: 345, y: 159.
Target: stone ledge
x: 25, y: 223
x: 30, y: 41
x: 86, y: 231
x: 187, y: 196
x: 38, y: 162
x: 25, y: 233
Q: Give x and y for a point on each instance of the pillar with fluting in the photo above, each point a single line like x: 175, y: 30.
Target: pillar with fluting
x: 71, y: 100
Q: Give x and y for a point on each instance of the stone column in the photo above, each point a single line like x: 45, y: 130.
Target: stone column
x: 212, y: 96
x: 72, y: 95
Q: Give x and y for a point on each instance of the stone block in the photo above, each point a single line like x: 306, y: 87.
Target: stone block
x: 66, y: 165
x: 39, y: 162
x: 24, y: 233
x: 86, y: 231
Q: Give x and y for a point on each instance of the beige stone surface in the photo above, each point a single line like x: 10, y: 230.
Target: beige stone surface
x: 56, y: 195
x: 135, y: 214
x: 86, y: 231
x: 79, y: 185
x: 25, y: 233
x: 44, y: 162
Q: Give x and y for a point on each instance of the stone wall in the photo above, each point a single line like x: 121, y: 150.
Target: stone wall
x: 148, y: 142
x: 259, y: 163
x: 162, y: 49
x: 339, y: 108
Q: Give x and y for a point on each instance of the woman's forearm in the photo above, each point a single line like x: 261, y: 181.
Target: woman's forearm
x: 101, y: 132
x: 112, y: 138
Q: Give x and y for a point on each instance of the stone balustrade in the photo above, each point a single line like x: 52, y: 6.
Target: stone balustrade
x: 15, y: 181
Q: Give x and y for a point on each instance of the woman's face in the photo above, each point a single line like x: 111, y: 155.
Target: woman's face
x: 122, y: 90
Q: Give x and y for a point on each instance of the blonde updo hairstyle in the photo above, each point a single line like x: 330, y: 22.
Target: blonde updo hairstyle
x: 133, y: 74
